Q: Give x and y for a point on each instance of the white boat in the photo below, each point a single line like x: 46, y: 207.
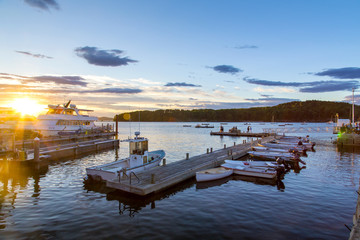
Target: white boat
x: 262, y: 172
x: 262, y: 148
x: 213, y: 174
x: 285, y: 146
x: 267, y: 155
x: 308, y: 145
x: 140, y: 159
x: 64, y: 120
x: 254, y: 163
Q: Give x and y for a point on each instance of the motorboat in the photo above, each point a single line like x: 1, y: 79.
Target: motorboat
x: 262, y: 172
x: 65, y: 119
x: 140, y: 159
x: 204, y: 125
x: 263, y: 148
x: 289, y: 148
x: 269, y: 155
x: 254, y: 163
x: 213, y: 174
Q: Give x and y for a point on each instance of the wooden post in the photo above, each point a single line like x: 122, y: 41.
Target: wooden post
x: 187, y: 156
x: 152, y: 178
x: 224, y: 146
x: 207, y: 151
x: 234, y: 143
x: 116, y: 127
x: 36, y: 149
x: 211, y: 149
x: 164, y: 161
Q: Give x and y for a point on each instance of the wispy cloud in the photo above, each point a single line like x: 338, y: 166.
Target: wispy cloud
x: 310, y: 87
x: 116, y: 90
x: 341, y: 73
x: 33, y: 54
x: 246, y: 46
x: 227, y: 69
x: 181, y: 84
x: 108, y: 58
x: 69, y: 80
x: 43, y: 4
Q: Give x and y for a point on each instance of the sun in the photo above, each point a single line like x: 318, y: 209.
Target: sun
x: 27, y: 106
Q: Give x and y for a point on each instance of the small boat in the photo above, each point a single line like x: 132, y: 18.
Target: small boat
x: 140, y: 159
x: 262, y: 148
x: 204, y: 126
x: 286, y: 147
x: 262, y: 172
x: 267, y: 155
x: 186, y: 125
x: 213, y: 174
x: 254, y: 163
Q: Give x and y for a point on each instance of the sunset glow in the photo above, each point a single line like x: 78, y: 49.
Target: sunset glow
x: 27, y: 106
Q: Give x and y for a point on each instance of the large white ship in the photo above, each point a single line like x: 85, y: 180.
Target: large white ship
x: 65, y: 119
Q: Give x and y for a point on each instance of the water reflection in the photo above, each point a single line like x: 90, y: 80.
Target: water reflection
x: 14, y: 178
x: 131, y: 204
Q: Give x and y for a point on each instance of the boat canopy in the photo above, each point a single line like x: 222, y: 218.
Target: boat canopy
x: 139, y: 147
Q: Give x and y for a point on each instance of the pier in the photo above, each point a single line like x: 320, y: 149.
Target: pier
x: 160, y: 178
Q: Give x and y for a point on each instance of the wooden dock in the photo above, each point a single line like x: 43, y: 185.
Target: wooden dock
x: 241, y: 134
x: 160, y: 178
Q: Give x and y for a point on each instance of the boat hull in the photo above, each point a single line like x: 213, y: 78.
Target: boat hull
x: 261, y: 172
x: 116, y: 169
x: 213, y: 174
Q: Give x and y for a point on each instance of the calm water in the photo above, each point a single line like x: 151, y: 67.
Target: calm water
x: 315, y: 203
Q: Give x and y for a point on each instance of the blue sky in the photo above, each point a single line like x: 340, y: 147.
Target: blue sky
x: 116, y: 56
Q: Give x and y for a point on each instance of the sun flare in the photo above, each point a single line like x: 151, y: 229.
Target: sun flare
x: 27, y: 106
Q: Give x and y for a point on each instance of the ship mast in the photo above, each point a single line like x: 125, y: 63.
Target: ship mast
x: 353, y: 122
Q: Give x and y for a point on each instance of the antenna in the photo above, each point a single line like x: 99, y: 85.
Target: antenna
x: 139, y: 120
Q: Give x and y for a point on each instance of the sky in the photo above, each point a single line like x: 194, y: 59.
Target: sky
x: 115, y: 56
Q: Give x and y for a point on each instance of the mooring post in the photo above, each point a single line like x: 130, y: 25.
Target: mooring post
x: 116, y: 127
x: 234, y: 143
x: 224, y: 146
x: 187, y: 156
x: 207, y: 151
x: 152, y: 178
x: 211, y: 149
x: 36, y: 149
x: 164, y: 161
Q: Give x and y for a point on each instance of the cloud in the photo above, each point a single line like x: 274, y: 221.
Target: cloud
x: 341, y: 73
x: 181, y: 84
x: 246, y: 47
x: 33, y: 55
x: 43, y: 4
x: 310, y: 87
x: 330, y: 86
x: 226, y: 69
x: 69, y: 80
x: 109, y: 58
x: 116, y: 90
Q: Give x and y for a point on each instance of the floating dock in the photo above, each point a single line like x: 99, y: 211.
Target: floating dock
x: 241, y: 134
x: 160, y: 178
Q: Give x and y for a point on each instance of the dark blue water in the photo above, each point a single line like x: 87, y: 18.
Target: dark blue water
x: 54, y: 203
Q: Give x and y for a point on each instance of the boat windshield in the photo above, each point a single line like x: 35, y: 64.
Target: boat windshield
x: 138, y: 148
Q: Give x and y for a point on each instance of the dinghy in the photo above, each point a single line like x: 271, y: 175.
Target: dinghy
x: 213, y: 174
x: 262, y: 172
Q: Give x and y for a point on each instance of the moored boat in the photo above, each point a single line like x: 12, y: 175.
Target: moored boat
x: 213, y: 174
x: 262, y: 172
x: 140, y: 159
x: 269, y: 155
x: 65, y: 120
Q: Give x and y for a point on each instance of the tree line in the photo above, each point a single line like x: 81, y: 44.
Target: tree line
x: 297, y: 111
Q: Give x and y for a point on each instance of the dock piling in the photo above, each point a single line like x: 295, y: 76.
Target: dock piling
x: 164, y: 161
x: 36, y: 149
x: 211, y: 150
x: 224, y: 146
x: 207, y: 151
x: 187, y: 156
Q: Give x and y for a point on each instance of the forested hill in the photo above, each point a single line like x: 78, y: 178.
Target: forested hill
x: 308, y: 111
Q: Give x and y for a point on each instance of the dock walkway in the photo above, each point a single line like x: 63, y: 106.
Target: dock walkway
x: 160, y: 178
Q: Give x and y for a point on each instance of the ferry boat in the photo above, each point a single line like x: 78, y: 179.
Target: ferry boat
x: 140, y: 159
x: 66, y: 119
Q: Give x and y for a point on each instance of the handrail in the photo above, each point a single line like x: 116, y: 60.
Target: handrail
x: 135, y: 176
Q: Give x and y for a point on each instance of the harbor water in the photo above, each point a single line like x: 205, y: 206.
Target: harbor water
x: 53, y: 202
